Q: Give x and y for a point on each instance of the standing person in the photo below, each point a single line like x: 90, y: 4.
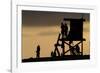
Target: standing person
x: 38, y: 51
x: 62, y: 29
x: 77, y: 49
x: 71, y: 48
x: 65, y: 30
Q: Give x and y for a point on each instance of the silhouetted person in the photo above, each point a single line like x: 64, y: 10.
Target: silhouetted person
x: 72, y: 49
x: 65, y: 29
x: 52, y: 54
x: 77, y: 49
x: 62, y: 29
x: 38, y: 51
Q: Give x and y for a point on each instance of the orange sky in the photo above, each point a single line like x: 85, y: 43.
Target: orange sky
x: 45, y: 36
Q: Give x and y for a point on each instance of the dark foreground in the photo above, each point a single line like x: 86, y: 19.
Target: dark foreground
x: 67, y: 57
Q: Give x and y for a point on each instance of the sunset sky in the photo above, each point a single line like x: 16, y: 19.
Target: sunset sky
x: 42, y: 28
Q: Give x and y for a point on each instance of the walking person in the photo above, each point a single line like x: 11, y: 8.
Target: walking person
x: 38, y: 52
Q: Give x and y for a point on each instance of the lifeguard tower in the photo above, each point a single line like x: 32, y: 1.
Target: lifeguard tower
x: 75, y: 35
